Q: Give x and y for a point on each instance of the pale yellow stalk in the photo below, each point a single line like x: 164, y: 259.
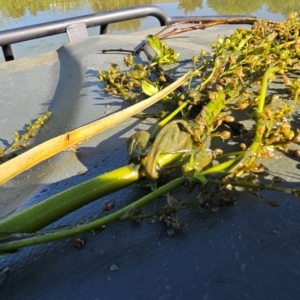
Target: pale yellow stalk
x: 32, y: 157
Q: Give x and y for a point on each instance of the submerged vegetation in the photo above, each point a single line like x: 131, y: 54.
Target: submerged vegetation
x: 197, y: 111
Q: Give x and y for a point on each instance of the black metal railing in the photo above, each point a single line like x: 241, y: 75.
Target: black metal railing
x: 103, y: 19
x: 11, y: 36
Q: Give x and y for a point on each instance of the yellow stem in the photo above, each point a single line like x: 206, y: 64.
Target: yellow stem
x: 32, y: 157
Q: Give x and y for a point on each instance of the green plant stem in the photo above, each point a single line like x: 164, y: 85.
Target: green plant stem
x: 260, y: 126
x: 48, y: 211
x: 220, y: 168
x: 169, y: 117
x: 44, y: 213
x: 35, y: 155
x: 48, y: 237
x: 253, y: 150
x: 202, y: 85
x: 264, y: 87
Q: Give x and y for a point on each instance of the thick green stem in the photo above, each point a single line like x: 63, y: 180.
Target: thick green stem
x: 14, y: 245
x: 252, y: 152
x: 264, y: 87
x: 35, y: 155
x: 48, y: 211
x: 260, y: 127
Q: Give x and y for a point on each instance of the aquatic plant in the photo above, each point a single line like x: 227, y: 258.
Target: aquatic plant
x: 22, y: 140
x: 198, y: 109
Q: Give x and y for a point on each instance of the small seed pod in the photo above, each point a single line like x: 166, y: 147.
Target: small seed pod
x: 258, y: 169
x: 219, y: 88
x: 203, y: 52
x: 130, y: 84
x: 242, y: 146
x: 162, y: 78
x: 195, y: 59
x: 242, y: 104
x: 225, y: 135
x: 296, y: 152
x: 212, y: 96
x: 123, y: 77
x: 218, y: 152
x: 229, y: 119
x: 182, y: 97
x: 289, y: 135
x: 296, y: 139
x: 229, y: 187
x: 245, y: 94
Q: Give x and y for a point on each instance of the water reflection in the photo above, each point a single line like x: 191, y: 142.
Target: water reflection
x: 189, y: 6
x: 251, y: 6
x: 17, y: 9
x: 13, y: 10
x: 235, y: 6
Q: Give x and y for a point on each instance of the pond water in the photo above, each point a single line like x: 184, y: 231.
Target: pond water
x: 15, y: 14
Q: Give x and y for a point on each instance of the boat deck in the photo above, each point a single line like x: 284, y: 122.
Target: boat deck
x: 250, y: 250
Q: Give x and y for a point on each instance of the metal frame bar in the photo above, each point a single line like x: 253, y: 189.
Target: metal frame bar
x: 11, y: 36
x: 103, y: 19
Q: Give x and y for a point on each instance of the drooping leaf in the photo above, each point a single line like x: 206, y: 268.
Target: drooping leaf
x: 156, y: 44
x: 149, y: 88
x: 164, y: 54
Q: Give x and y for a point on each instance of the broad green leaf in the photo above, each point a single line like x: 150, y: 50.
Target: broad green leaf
x: 164, y: 54
x: 149, y: 88
x: 156, y: 44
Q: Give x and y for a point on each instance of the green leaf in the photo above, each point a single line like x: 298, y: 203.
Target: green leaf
x: 156, y: 44
x: 149, y: 88
x: 201, y: 178
x: 164, y: 54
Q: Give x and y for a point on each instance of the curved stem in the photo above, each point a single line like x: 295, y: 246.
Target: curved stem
x: 169, y: 117
x: 48, y: 211
x: 32, y: 157
x: 44, y: 238
x: 251, y: 153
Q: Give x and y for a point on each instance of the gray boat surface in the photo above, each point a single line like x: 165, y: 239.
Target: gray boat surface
x: 246, y: 251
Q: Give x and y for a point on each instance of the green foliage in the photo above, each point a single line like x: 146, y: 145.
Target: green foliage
x: 149, y: 88
x: 234, y: 76
x: 164, y: 54
x: 21, y: 140
x: 130, y: 84
x: 234, y: 80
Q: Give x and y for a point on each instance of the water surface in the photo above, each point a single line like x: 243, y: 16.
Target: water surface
x: 15, y: 14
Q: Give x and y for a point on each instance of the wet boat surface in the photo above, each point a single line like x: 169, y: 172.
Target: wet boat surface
x: 247, y: 251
